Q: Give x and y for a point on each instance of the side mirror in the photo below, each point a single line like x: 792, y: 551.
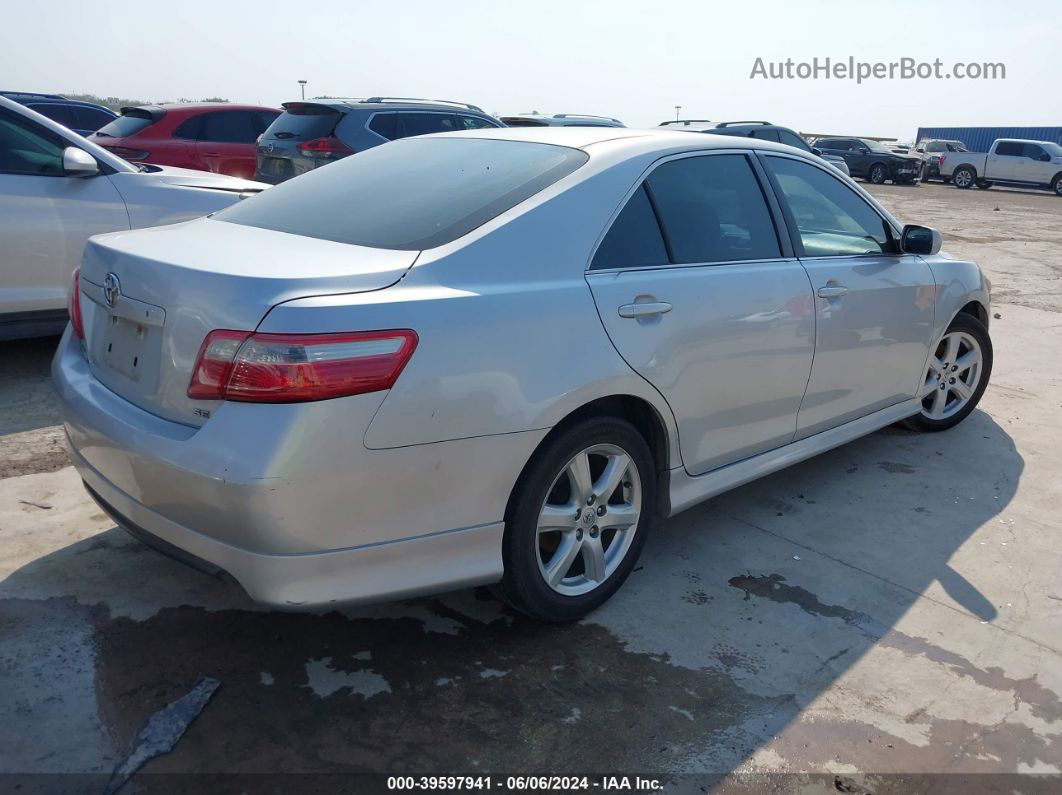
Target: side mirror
x: 816, y: 151
x: 920, y: 240
x: 863, y: 150
x: 921, y: 150
x: 79, y: 163
x: 1046, y: 158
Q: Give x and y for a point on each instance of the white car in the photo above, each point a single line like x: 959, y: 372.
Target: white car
x: 1024, y: 164
x: 57, y: 190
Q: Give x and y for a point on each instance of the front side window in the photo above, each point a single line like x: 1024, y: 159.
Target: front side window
x: 474, y: 123
x: 712, y: 209
x: 634, y: 239
x: 411, y: 195
x: 410, y: 124
x: 229, y: 127
x: 831, y: 219
x: 28, y: 149
x: 1034, y: 151
x: 792, y: 139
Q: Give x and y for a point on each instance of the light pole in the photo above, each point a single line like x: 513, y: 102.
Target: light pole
x: 302, y: 87
x: 678, y: 109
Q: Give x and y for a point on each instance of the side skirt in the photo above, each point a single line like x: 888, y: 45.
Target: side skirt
x: 687, y: 491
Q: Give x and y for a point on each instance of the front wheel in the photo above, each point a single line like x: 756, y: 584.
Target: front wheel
x: 1056, y: 185
x: 964, y: 177
x: 577, y: 521
x: 957, y: 376
x: 878, y: 174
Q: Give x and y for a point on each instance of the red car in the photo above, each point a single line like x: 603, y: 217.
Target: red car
x: 218, y: 137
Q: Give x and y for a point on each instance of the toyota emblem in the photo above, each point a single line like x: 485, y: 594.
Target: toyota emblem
x: 112, y: 289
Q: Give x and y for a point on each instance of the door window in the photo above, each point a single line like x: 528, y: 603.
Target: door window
x: 383, y: 124
x: 229, y: 127
x: 1009, y: 149
x: 1033, y: 151
x: 62, y: 114
x: 28, y: 149
x: 712, y: 209
x: 91, y: 118
x: 474, y: 123
x: 410, y: 124
x: 831, y: 219
x: 634, y: 239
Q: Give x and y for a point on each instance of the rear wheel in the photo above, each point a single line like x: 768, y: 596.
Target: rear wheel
x: 957, y: 375
x: 878, y: 174
x: 964, y: 177
x: 984, y: 184
x: 577, y: 520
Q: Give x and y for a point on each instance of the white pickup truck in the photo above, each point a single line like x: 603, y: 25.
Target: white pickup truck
x: 1028, y: 164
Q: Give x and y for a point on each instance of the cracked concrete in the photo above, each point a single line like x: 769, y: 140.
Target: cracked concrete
x: 865, y: 621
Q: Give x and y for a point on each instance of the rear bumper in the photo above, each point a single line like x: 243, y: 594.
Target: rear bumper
x: 288, y: 500
x: 379, y: 572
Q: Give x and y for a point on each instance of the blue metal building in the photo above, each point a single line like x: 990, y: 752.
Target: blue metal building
x: 979, y: 139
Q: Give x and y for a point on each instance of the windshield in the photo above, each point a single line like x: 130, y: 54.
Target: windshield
x: 411, y: 194
x: 1052, y: 148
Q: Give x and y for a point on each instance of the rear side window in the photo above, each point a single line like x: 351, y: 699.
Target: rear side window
x: 634, y: 239
x: 410, y: 124
x: 383, y: 124
x: 26, y: 148
x: 764, y: 135
x: 302, y: 122
x: 91, y: 118
x: 1010, y: 149
x: 411, y: 195
x: 831, y: 219
x: 230, y: 127
x: 189, y: 129
x: 836, y: 145
x: 125, y: 126
x: 712, y: 209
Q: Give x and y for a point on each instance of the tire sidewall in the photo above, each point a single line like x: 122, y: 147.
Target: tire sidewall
x: 878, y: 170
x: 973, y: 178
x: 522, y: 585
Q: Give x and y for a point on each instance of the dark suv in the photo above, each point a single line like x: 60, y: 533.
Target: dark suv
x: 83, y: 118
x: 872, y: 160
x: 316, y: 132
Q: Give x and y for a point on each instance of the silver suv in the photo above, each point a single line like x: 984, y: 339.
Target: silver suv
x: 314, y: 133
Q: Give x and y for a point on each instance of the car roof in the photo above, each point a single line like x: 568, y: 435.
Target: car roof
x: 622, y: 140
x: 200, y: 106
x: 561, y: 118
x: 51, y: 99
x: 393, y: 103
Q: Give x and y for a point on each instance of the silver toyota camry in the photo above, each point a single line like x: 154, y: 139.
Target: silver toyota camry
x: 498, y: 356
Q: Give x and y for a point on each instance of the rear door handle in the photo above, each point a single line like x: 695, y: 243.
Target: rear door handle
x: 644, y: 310
x: 832, y: 292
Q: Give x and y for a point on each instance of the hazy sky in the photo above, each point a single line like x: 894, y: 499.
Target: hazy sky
x: 632, y: 60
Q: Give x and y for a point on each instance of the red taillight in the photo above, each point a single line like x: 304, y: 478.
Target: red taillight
x: 329, y: 146
x: 127, y: 153
x: 292, y: 368
x: 73, y: 305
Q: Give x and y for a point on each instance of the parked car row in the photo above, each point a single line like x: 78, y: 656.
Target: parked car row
x: 57, y: 189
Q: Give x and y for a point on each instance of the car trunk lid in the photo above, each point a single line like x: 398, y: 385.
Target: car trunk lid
x: 150, y: 297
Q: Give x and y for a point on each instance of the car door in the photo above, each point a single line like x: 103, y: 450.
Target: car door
x: 226, y: 142
x: 702, y: 297
x: 1004, y: 162
x: 873, y: 305
x: 45, y: 217
x: 1036, y: 166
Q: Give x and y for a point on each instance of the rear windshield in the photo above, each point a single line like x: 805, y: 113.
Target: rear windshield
x: 124, y: 126
x: 521, y: 122
x: 412, y: 194
x: 303, y: 122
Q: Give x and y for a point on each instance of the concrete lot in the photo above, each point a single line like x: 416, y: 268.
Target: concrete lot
x: 891, y: 607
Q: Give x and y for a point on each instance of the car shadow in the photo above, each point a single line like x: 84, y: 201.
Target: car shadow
x: 26, y: 391
x: 740, y: 611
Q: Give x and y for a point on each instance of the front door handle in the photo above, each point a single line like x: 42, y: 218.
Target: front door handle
x: 644, y: 310
x: 832, y: 292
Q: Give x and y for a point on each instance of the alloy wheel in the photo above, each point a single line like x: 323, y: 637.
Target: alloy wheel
x: 963, y: 178
x: 588, y: 520
x: 954, y: 373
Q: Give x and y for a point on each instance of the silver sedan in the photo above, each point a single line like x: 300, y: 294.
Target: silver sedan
x: 496, y: 357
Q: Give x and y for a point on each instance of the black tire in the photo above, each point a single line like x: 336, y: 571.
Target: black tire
x: 1056, y: 185
x: 975, y: 328
x: 523, y: 585
x: 878, y: 173
x: 964, y: 177
x: 983, y: 184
